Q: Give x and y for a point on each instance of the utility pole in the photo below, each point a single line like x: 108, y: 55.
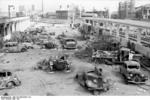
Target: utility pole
x: 42, y: 7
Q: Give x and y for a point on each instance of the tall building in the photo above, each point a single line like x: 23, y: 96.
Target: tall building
x: 33, y: 8
x: 143, y: 12
x: 126, y: 9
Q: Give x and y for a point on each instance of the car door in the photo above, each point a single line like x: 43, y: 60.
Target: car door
x: 125, y: 72
x: 3, y: 79
x: 123, y: 69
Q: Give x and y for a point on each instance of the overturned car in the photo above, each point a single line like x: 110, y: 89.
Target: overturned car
x: 51, y: 65
x: 93, y: 81
x: 8, y: 80
x: 132, y: 72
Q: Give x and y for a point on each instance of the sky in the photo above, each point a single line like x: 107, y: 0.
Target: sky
x: 52, y: 5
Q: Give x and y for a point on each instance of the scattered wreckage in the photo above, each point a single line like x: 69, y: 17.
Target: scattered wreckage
x: 131, y: 70
x: 58, y: 64
x: 8, y: 80
x: 93, y: 81
x: 115, y: 57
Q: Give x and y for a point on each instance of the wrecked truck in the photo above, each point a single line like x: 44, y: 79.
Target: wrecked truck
x: 93, y: 81
x: 8, y: 79
x: 131, y: 70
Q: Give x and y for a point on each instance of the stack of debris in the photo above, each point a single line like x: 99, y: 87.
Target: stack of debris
x: 103, y: 44
x: 54, y: 64
x: 84, y: 53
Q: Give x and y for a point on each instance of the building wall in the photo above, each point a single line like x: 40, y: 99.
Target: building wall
x: 143, y: 12
x: 138, y: 36
x: 14, y: 25
x: 62, y: 14
x: 126, y: 9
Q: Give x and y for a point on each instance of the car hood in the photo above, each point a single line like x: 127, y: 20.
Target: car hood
x: 134, y: 71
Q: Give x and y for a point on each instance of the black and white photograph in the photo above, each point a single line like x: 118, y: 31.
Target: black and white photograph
x: 74, y: 48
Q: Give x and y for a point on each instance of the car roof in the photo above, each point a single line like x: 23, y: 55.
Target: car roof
x: 92, y: 74
x: 125, y: 49
x: 67, y: 38
x: 4, y: 70
x: 134, y: 63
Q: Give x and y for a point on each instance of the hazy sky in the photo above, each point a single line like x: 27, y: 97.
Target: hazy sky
x: 52, y: 5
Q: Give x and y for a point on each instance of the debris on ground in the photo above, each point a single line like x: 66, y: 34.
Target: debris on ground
x: 54, y: 64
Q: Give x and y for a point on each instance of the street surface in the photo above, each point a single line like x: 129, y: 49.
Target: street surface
x: 40, y: 83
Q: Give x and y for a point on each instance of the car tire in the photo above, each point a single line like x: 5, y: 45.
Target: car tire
x: 10, y: 85
x: 23, y: 50
x: 106, y: 89
x: 77, y: 76
x: 120, y: 71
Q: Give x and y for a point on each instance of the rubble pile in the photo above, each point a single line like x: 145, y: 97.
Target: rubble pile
x: 43, y: 64
x: 84, y: 53
x: 104, y: 43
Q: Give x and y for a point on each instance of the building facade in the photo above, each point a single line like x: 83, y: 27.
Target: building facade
x: 126, y: 9
x: 143, y: 12
x: 136, y: 33
x: 62, y: 14
x: 9, y: 26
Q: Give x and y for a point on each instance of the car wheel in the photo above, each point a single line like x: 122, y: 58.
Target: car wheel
x: 10, y: 85
x: 23, y: 50
x: 106, y: 89
x: 120, y: 71
x: 95, y: 92
x: 77, y: 76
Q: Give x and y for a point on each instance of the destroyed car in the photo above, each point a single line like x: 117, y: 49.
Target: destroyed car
x: 51, y: 65
x: 8, y: 80
x: 93, y: 81
x: 132, y: 72
x: 49, y: 45
x: 52, y: 33
x: 28, y: 45
x: 61, y: 36
x: 13, y: 47
x: 69, y: 43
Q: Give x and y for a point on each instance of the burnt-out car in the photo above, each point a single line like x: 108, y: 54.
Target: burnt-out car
x: 49, y: 45
x: 93, y: 81
x: 8, y: 79
x: 14, y: 47
x: 51, y: 65
x: 69, y: 43
x: 132, y: 72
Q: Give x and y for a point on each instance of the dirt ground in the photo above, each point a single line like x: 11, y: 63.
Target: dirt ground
x: 39, y: 83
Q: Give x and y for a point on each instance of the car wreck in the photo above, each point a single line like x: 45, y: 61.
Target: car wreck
x: 93, y: 81
x: 8, y: 80
x: 14, y: 47
x: 69, y: 43
x: 52, y: 65
x: 132, y: 72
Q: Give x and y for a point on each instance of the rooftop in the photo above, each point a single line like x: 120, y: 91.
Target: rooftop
x: 126, y: 21
x: 6, y: 20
